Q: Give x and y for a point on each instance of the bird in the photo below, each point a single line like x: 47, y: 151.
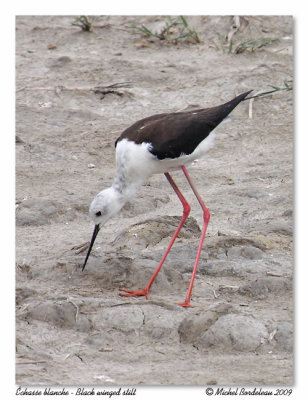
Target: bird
x: 159, y: 144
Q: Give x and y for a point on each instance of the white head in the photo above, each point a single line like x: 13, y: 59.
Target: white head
x: 104, y: 206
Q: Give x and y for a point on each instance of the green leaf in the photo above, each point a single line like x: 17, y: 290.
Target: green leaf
x: 184, y: 21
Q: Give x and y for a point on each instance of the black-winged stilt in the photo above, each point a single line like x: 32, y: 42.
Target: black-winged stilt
x: 159, y: 144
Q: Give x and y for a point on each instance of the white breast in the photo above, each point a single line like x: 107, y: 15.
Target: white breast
x: 136, y: 160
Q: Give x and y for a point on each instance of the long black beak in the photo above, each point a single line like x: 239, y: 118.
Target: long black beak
x: 95, y: 232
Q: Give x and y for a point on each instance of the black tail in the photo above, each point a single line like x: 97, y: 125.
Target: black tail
x: 220, y: 112
x: 233, y: 103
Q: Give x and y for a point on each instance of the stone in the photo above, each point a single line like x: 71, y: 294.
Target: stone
x: 234, y: 252
x: 28, y: 217
x: 36, y: 212
x: 284, y: 336
x: 257, y: 290
x: 63, y: 314
x: 282, y: 228
x: 124, y: 319
x: 234, y: 332
x: 288, y: 213
x: 255, y: 193
x: 193, y: 327
x: 60, y: 61
x: 261, y: 287
x: 252, y: 253
x: 161, y: 321
x: 151, y: 232
x: 221, y: 268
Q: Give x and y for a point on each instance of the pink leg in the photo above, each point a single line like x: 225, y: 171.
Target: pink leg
x: 206, y: 218
x: 186, y: 211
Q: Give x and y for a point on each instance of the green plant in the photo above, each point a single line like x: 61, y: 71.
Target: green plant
x: 288, y: 85
x: 83, y: 23
x: 175, y: 29
x: 247, y: 45
x: 253, y: 44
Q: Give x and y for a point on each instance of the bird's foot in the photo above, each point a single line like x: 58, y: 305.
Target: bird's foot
x: 185, y: 304
x: 143, y: 292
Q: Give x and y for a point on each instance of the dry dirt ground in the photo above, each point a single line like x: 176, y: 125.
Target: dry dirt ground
x: 72, y: 327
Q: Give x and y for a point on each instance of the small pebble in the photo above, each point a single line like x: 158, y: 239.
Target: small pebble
x: 288, y: 213
x: 61, y: 61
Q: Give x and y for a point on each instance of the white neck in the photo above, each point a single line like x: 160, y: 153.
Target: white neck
x: 126, y: 188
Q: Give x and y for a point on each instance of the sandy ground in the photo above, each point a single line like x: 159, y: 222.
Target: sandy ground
x: 72, y: 327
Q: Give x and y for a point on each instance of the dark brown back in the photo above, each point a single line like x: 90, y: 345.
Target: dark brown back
x: 173, y: 134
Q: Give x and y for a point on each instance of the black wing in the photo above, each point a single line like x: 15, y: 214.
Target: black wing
x: 174, y: 134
